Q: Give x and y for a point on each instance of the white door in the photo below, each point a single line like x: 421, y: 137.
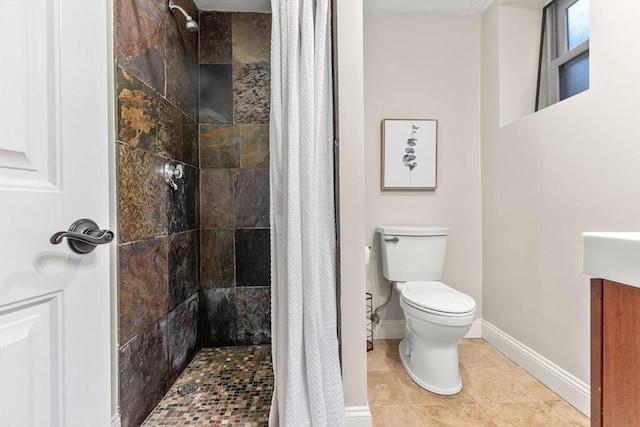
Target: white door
x: 54, y: 133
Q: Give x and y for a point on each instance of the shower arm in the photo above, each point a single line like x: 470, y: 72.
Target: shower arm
x: 172, y: 6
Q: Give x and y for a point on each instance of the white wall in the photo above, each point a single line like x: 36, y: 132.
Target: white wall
x: 426, y: 66
x: 551, y: 175
x: 348, y: 29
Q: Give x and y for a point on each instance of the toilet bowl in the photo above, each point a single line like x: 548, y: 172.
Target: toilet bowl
x: 437, y: 317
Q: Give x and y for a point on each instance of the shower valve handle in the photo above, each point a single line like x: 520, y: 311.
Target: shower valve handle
x: 173, y: 171
x: 83, y: 236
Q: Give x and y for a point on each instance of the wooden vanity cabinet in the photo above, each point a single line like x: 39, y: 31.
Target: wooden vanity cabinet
x: 615, y: 354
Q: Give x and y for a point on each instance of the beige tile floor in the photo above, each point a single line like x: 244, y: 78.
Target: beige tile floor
x: 495, y: 392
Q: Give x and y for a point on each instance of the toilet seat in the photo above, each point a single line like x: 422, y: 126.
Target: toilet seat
x: 437, y: 298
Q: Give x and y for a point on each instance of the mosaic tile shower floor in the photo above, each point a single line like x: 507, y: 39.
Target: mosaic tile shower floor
x: 235, y: 385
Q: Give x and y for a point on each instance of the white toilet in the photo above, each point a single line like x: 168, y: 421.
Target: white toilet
x: 437, y: 316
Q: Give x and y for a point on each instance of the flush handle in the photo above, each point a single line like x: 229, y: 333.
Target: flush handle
x: 83, y: 236
x: 392, y: 240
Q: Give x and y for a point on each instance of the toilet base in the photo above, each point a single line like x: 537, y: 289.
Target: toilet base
x: 405, y: 358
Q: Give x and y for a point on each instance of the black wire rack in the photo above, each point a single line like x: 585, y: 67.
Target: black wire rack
x: 369, y: 302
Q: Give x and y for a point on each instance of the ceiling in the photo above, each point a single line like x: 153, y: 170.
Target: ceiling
x: 425, y: 6
x: 370, y: 6
x: 234, y: 5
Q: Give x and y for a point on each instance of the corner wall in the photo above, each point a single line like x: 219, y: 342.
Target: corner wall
x: 156, y: 86
x: 551, y: 175
x: 426, y: 66
x: 347, y: 27
x: 235, y: 258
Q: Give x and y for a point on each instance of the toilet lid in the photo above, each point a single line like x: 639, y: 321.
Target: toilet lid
x: 436, y: 296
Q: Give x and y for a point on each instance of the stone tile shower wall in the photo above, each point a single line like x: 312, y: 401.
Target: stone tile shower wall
x: 234, y: 180
x: 158, y: 260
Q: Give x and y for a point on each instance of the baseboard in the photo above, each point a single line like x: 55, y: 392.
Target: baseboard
x: 389, y: 330
x: 561, y: 382
x: 115, y: 420
x: 476, y: 329
x: 394, y: 330
x: 358, y: 416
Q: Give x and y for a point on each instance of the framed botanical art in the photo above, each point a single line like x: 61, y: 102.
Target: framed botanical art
x: 409, y: 154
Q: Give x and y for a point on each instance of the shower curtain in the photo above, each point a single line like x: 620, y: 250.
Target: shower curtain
x: 308, y: 385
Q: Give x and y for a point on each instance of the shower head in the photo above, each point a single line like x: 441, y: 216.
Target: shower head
x: 192, y: 25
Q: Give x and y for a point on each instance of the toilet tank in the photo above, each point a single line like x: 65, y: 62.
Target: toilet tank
x: 412, y: 252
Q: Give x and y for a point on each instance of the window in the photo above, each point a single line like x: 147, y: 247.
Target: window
x: 563, y: 69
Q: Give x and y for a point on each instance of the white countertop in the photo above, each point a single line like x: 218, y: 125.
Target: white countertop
x: 612, y: 256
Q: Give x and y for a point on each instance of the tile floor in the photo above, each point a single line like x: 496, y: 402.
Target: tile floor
x: 234, y: 389
x: 235, y: 386
x: 495, y: 392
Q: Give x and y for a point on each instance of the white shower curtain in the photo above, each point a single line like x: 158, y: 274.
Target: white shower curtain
x: 308, y: 386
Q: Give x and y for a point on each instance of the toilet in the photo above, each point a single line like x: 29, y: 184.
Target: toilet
x: 437, y: 316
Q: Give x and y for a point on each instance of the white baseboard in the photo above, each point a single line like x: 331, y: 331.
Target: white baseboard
x: 389, y: 330
x: 476, y: 329
x: 561, y: 382
x: 394, y: 330
x: 358, y: 416
x: 115, y: 420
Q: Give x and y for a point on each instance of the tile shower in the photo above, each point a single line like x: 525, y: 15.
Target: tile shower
x: 234, y: 195
x: 193, y: 263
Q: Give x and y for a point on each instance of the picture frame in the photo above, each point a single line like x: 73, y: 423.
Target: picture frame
x: 409, y: 154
